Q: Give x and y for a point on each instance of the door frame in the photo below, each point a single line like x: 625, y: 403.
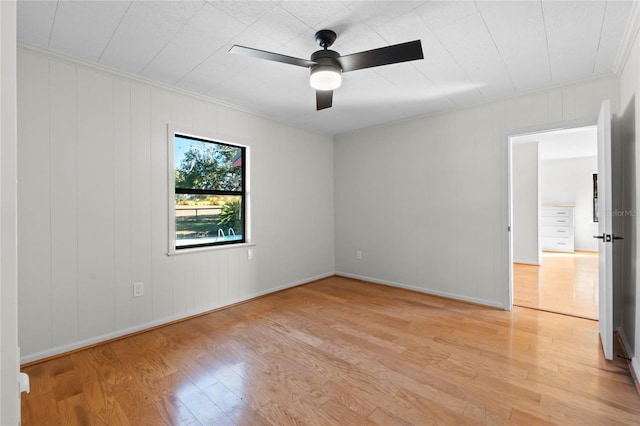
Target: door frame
x: 507, y: 211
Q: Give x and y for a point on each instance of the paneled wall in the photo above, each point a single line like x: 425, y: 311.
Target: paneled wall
x: 424, y: 200
x: 92, y: 205
x: 525, y: 181
x: 630, y: 111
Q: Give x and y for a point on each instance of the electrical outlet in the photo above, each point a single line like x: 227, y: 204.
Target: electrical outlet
x: 249, y: 254
x: 358, y: 255
x: 138, y: 289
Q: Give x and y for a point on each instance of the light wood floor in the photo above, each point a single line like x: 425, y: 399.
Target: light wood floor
x: 565, y: 282
x: 342, y: 352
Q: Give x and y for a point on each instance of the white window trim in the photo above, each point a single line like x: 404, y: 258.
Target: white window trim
x: 171, y: 132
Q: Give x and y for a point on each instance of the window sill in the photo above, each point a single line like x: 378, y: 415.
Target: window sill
x: 209, y: 248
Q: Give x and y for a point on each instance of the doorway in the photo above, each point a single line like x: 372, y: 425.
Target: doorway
x: 555, y: 258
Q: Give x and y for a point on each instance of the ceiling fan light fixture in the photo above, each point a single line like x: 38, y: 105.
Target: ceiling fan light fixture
x: 325, y: 77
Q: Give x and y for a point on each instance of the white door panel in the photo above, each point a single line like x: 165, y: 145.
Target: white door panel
x: 605, y: 231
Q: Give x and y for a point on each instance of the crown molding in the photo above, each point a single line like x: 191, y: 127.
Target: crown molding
x: 49, y: 54
x: 629, y: 38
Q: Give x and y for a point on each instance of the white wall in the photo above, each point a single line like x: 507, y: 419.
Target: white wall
x: 425, y: 200
x: 570, y: 181
x: 9, y: 402
x: 92, y: 203
x: 629, y: 93
x: 525, y: 160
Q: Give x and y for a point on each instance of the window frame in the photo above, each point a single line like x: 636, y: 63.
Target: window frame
x: 173, y: 248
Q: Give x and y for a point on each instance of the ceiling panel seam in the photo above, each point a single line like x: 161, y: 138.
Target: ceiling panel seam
x: 115, y: 30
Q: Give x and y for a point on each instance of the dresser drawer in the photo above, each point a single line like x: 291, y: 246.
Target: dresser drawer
x: 558, y: 244
x: 556, y: 231
x: 556, y: 220
x: 556, y: 212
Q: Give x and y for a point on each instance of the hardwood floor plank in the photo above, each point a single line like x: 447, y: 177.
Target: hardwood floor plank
x: 487, y: 415
x: 66, y: 385
x: 230, y: 403
x: 105, y: 408
x: 519, y: 417
x: 40, y: 409
x: 589, y: 386
x: 75, y: 410
x: 200, y: 376
x: 341, y: 415
x: 350, y: 398
x: 172, y: 411
x: 278, y: 415
x: 339, y: 352
x: 449, y: 401
x: 202, y: 407
x: 382, y: 418
x: 568, y: 410
x: 432, y: 411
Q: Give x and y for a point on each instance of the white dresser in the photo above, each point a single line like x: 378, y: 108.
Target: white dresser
x: 556, y: 224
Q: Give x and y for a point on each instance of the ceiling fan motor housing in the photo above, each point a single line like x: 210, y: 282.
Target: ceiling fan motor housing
x: 326, y: 57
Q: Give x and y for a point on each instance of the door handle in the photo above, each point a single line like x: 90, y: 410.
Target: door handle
x: 607, y: 238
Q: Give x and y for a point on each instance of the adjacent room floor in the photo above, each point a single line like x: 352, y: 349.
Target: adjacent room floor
x: 565, y: 283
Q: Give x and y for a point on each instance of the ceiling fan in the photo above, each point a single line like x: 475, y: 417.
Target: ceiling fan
x: 327, y: 65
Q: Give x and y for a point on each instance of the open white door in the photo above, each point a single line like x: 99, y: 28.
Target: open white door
x: 605, y: 231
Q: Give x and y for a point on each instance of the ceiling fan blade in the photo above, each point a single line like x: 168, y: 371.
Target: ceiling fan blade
x: 403, y: 52
x: 324, y: 99
x: 270, y: 56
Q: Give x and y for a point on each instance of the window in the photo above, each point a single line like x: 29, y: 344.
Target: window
x: 208, y: 191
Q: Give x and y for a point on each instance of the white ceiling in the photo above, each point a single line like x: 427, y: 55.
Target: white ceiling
x: 474, y: 51
x: 564, y: 144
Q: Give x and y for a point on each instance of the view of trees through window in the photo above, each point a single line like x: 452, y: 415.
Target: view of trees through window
x: 209, y: 192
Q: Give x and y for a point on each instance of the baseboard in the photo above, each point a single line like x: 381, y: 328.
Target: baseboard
x: 483, y: 302
x: 631, y: 360
x: 624, y: 342
x: 119, y: 334
x: 634, y: 368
